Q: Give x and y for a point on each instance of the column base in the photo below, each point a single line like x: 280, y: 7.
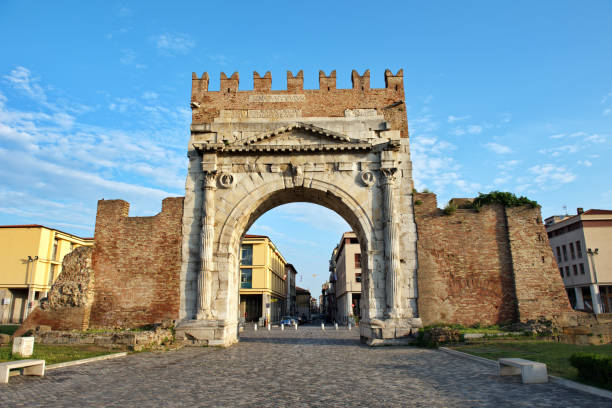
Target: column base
x: 207, y: 333
x: 389, y: 332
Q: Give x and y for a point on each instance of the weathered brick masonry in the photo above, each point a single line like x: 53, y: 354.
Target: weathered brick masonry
x: 492, y: 266
x: 327, y: 101
x: 137, y: 261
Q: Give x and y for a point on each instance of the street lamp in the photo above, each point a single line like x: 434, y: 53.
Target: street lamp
x: 29, y: 260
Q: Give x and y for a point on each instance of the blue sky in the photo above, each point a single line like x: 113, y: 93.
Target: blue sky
x: 94, y: 99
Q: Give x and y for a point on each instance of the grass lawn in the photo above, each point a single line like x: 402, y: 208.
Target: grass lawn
x: 58, y: 353
x: 555, y: 355
x: 8, y: 328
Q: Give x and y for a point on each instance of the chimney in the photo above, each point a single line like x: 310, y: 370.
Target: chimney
x: 579, y: 210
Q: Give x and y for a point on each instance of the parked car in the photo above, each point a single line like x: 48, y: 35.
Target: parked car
x: 287, y: 321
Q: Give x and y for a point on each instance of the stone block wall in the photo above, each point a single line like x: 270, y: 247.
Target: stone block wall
x: 137, y: 262
x: 489, y: 267
x: 68, y: 304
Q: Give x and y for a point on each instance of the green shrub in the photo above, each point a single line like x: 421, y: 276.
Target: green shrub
x: 450, y: 209
x: 504, y: 198
x: 594, y: 368
x: 418, y: 202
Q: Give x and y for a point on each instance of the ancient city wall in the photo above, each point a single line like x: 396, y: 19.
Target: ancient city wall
x: 68, y: 304
x: 489, y: 267
x: 136, y: 262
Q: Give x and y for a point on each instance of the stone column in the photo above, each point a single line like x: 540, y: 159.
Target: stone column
x: 392, y: 262
x: 208, y: 235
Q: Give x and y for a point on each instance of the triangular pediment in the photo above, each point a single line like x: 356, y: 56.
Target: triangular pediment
x: 298, y: 134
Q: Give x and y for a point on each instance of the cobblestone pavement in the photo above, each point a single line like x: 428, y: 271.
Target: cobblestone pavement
x: 298, y: 369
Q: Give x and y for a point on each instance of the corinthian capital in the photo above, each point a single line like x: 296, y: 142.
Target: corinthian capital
x: 389, y: 174
x: 209, y: 179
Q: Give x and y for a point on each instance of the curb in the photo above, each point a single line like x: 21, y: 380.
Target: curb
x: 564, y: 382
x: 85, y: 360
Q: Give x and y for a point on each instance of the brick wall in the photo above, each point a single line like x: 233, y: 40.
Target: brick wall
x: 488, y: 267
x: 539, y: 287
x: 464, y: 265
x: 327, y: 101
x: 136, y: 262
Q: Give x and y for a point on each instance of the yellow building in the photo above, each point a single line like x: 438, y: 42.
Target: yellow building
x: 30, y: 262
x: 263, y: 287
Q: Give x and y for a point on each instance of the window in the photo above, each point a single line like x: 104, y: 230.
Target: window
x: 564, y: 253
x: 561, y: 271
x: 572, y: 253
x: 558, y: 254
x: 582, y: 269
x: 246, y: 257
x: 575, y: 269
x: 579, y: 249
x: 358, y: 277
x: 567, y: 272
x: 246, y: 278
x: 357, y: 260
x: 54, y: 253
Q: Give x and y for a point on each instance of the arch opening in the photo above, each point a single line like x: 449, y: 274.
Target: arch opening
x: 349, y: 211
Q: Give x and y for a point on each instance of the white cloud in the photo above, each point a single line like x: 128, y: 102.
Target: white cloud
x: 586, y: 163
x: 21, y: 78
x: 149, y: 95
x: 53, y: 153
x: 606, y: 111
x: 453, y: 119
x: 551, y: 175
x: 498, y: 148
x: 174, y: 43
x: 474, y: 129
x: 128, y: 57
x: 509, y: 164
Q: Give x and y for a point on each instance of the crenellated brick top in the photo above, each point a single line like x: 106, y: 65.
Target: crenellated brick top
x: 327, y: 101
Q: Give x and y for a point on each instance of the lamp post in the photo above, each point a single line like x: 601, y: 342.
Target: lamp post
x: 29, y: 275
x: 597, y: 306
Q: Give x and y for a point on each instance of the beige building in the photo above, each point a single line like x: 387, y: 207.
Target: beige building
x: 582, y: 245
x: 30, y: 262
x: 347, y: 277
x: 263, y: 280
x: 303, y: 299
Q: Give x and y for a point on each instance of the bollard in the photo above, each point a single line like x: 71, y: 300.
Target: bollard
x: 295, y: 325
x: 282, y: 327
x: 322, y: 326
x: 336, y: 326
x: 349, y: 326
x: 269, y: 326
x: 255, y: 327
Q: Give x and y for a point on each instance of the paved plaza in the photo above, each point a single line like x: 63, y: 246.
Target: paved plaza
x: 298, y: 369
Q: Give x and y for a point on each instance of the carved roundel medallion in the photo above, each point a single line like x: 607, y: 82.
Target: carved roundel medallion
x: 367, y: 178
x: 226, y: 180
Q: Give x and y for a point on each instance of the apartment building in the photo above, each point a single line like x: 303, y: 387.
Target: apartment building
x: 263, y: 280
x: 582, y: 245
x: 346, y: 265
x: 30, y: 261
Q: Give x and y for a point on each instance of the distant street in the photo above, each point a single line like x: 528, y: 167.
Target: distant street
x: 303, y: 368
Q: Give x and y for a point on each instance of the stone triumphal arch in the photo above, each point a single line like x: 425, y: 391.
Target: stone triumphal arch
x: 250, y: 151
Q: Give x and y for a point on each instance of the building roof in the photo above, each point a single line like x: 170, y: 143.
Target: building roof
x: 256, y: 236
x: 598, y: 212
x: 301, y: 290
x: 42, y: 226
